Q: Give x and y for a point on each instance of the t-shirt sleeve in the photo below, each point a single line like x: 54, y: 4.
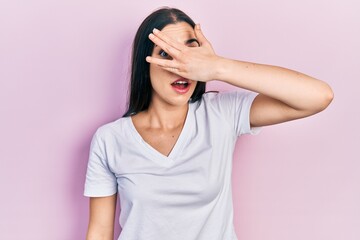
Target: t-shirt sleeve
x: 100, y: 180
x: 235, y: 108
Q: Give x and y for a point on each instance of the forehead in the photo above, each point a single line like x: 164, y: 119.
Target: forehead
x: 179, y: 31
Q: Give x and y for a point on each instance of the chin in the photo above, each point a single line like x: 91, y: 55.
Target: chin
x: 179, y: 101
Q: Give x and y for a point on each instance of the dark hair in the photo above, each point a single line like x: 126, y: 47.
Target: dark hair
x: 140, y: 85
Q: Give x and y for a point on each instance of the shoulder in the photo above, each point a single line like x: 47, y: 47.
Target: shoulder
x: 224, y: 98
x: 218, y: 96
x: 112, y: 129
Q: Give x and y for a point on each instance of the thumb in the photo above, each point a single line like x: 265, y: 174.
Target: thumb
x: 200, y: 36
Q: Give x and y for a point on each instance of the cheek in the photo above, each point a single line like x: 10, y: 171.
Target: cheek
x: 155, y: 72
x: 158, y: 73
x: 157, y: 76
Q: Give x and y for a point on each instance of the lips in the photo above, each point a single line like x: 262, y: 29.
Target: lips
x: 181, y: 85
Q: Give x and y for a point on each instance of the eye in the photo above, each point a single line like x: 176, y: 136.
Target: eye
x: 163, y: 54
x: 194, y: 44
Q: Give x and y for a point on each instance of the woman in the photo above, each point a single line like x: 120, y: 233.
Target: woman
x: 169, y: 157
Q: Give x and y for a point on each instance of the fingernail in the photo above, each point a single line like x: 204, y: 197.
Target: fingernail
x: 147, y: 58
x: 155, y: 30
x: 151, y: 36
x: 198, y: 26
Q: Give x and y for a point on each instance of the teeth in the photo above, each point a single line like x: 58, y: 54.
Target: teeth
x: 180, y: 82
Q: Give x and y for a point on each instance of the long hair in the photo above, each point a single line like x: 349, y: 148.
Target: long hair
x: 140, y: 85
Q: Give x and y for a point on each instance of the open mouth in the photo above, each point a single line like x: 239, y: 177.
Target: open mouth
x: 181, y: 83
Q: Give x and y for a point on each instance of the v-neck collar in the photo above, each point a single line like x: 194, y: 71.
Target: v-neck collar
x: 154, y: 154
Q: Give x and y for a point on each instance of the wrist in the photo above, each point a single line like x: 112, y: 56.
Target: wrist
x: 220, y: 68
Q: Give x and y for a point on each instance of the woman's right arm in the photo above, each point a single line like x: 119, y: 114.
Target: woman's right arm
x: 102, y: 215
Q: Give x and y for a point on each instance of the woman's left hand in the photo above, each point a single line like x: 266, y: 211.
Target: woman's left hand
x: 194, y: 63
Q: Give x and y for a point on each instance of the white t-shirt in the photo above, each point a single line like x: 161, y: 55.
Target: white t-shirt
x: 184, y: 196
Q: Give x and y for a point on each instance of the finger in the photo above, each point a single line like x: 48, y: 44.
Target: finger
x: 163, y: 45
x: 171, y: 69
x: 167, y: 39
x: 165, y: 63
x: 200, y: 36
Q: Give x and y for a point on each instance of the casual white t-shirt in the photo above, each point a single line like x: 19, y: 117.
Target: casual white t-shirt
x: 184, y: 196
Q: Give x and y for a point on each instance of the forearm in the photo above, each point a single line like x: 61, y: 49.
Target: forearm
x: 295, y: 89
x: 102, y: 215
x: 98, y: 233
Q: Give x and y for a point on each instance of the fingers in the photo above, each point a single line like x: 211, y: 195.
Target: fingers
x: 166, y: 39
x: 200, y: 36
x: 165, y: 63
x: 163, y: 45
x: 164, y: 42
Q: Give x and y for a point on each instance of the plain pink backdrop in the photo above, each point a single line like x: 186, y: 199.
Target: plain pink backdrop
x: 64, y: 72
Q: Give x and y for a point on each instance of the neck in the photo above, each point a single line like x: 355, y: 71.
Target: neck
x: 166, y: 117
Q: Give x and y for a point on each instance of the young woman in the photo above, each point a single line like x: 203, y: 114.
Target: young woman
x: 169, y: 157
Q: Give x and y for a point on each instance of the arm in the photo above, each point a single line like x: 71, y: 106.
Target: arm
x: 102, y: 215
x: 284, y: 94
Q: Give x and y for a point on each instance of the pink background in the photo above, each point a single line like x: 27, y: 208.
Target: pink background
x: 64, y: 71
